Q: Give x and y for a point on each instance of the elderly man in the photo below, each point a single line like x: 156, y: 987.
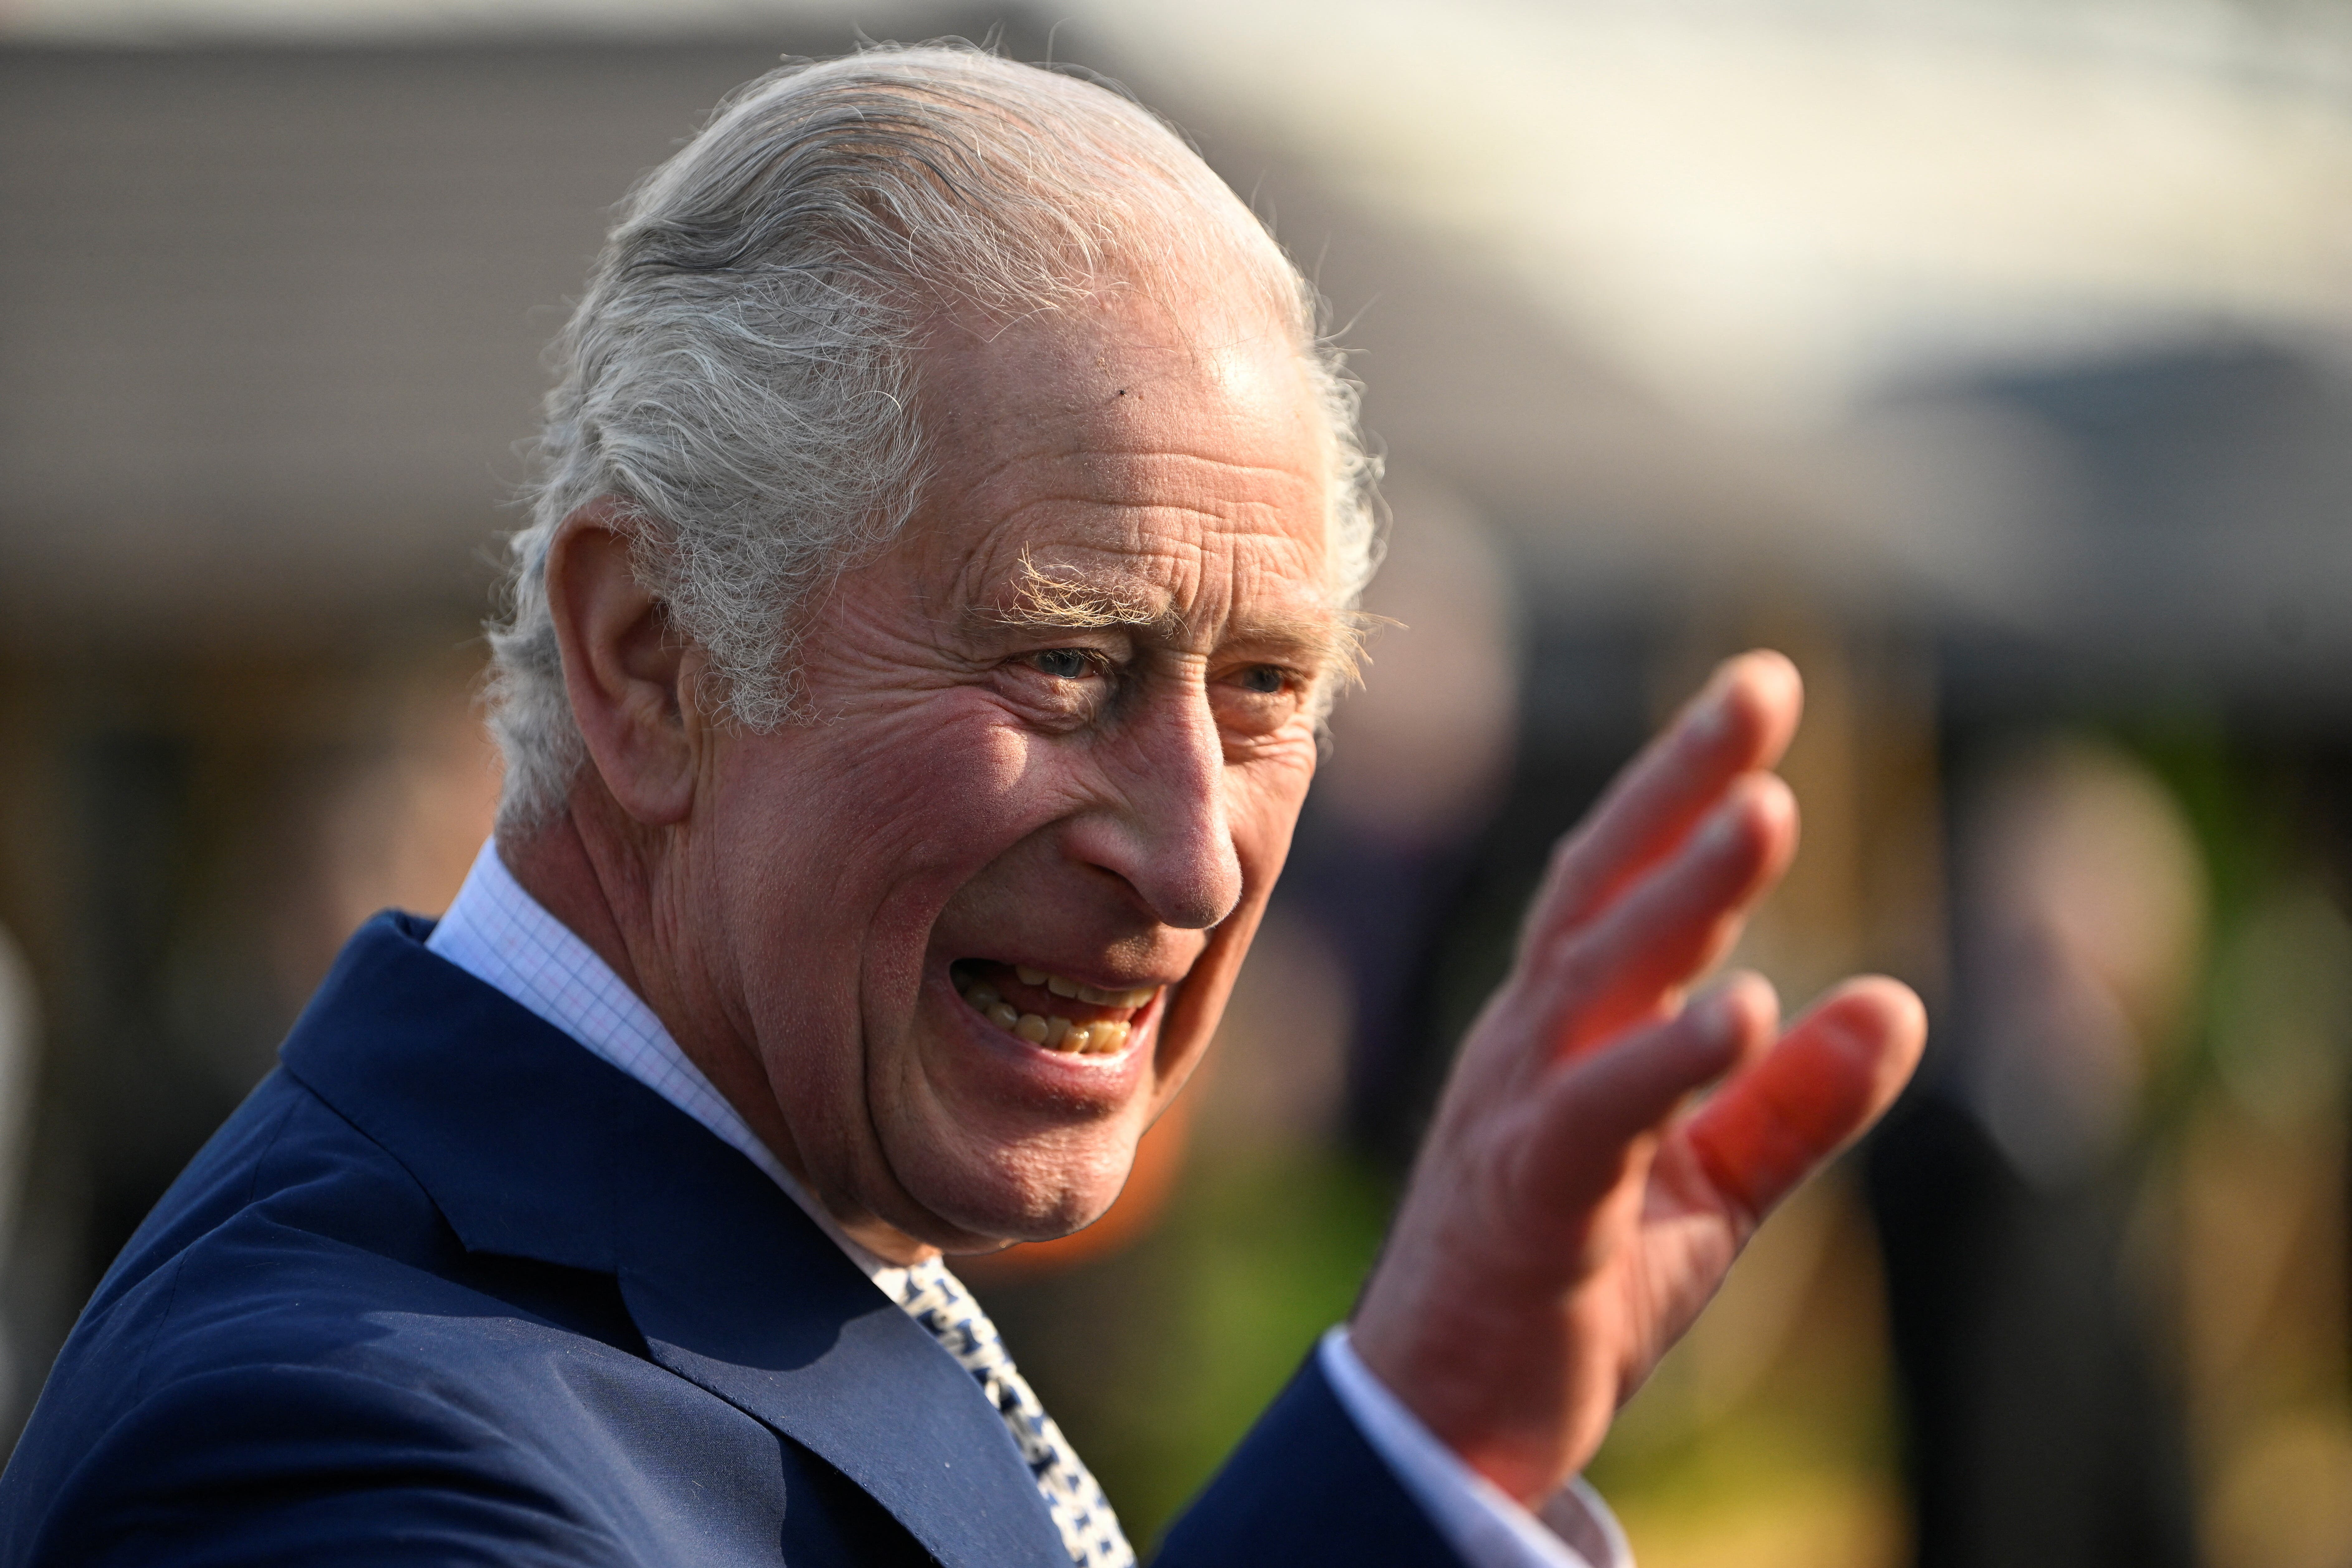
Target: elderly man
x: 944, y: 556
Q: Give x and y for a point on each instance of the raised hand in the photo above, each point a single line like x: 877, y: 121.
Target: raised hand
x: 1571, y: 1213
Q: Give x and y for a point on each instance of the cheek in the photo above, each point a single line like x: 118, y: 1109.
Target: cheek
x: 1263, y: 799
x: 851, y: 836
x: 912, y: 797
x: 1262, y: 802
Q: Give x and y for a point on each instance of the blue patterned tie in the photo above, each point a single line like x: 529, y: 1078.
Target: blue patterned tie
x: 1091, y: 1532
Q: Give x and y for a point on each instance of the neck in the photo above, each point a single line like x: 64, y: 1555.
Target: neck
x: 599, y: 883
x: 555, y: 867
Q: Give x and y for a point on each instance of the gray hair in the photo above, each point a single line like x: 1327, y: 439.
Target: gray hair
x: 738, y: 382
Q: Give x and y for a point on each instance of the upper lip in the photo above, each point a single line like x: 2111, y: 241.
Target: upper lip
x: 1094, y: 977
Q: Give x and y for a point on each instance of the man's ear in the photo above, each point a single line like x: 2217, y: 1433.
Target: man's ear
x: 630, y: 676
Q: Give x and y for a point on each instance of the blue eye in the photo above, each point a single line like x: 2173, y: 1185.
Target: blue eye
x: 1265, y: 678
x: 1062, y: 663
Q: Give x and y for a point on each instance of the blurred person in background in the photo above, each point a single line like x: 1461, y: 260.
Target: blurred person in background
x: 946, y: 544
x: 2044, y: 1427
x: 1421, y: 758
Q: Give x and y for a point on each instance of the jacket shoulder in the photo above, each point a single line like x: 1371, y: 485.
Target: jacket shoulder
x: 298, y: 1357
x: 299, y: 1463
x: 272, y: 1319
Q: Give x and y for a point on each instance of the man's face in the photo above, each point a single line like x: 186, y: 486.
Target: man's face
x: 981, y: 916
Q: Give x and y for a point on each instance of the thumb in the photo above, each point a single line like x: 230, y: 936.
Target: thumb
x: 1833, y: 1074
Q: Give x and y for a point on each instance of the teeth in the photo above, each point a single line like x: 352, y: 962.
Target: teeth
x: 981, y: 993
x: 1102, y: 1038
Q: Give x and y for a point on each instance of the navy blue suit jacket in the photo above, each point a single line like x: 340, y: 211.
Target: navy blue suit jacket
x: 447, y: 1289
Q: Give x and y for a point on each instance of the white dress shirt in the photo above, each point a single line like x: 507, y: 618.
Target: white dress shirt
x: 503, y: 936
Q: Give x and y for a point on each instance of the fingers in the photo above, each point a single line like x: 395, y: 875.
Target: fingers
x: 1834, y: 1072
x: 1741, y: 720
x: 1595, y: 979
x: 1595, y: 1108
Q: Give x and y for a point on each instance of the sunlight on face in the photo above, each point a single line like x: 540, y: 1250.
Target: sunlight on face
x: 988, y: 907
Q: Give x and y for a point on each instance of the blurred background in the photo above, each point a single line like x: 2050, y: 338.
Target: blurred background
x: 1993, y: 358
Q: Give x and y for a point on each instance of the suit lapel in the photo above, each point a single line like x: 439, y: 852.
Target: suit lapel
x: 789, y: 1331
x: 532, y: 1147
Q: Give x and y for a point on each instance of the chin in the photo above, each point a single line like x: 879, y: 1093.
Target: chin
x: 1024, y: 1193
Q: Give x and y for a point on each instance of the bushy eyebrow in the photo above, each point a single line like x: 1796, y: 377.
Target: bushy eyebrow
x: 1044, y: 601
x: 1080, y: 602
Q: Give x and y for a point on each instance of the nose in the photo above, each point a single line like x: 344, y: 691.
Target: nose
x: 1162, y: 828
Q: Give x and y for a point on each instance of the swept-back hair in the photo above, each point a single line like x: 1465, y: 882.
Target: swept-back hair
x: 738, y: 382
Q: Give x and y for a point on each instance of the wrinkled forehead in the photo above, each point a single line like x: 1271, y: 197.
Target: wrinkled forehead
x: 1148, y: 461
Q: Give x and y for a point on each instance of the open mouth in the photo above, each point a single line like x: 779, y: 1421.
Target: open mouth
x: 1051, y: 1010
